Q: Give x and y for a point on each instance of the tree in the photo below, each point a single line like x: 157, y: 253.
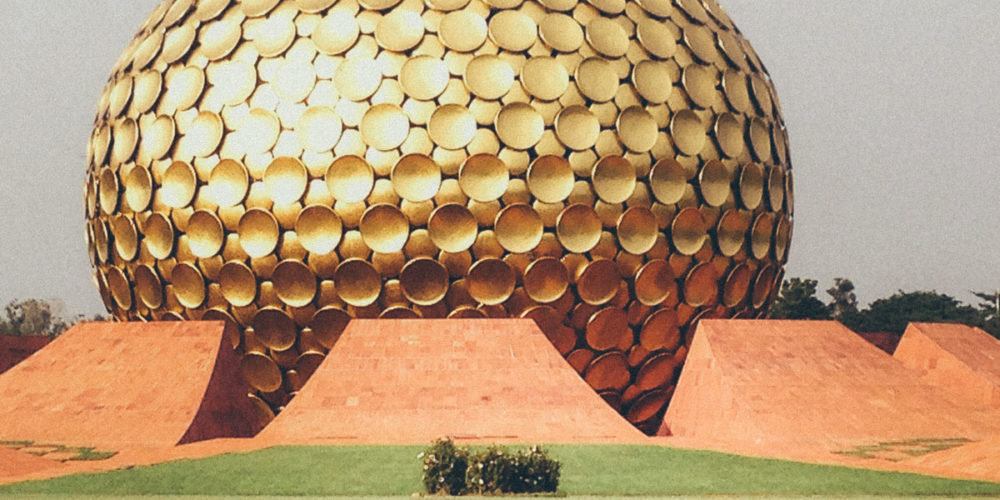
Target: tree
x: 37, y: 317
x: 990, y: 310
x: 797, y: 300
x: 844, y: 299
x: 892, y: 314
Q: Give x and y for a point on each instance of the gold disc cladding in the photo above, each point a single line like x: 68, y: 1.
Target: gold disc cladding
x: 598, y: 80
x: 519, y: 228
x: 424, y: 281
x: 416, y: 178
x: 544, y: 78
x: 452, y: 126
x: 488, y: 77
x: 550, y: 179
x: 577, y: 127
x: 484, y: 177
x: 561, y: 32
x: 462, y: 31
x: 614, y: 179
x: 350, y: 179
x: 578, y: 228
x: 385, y: 126
x: 384, y: 228
x: 491, y: 281
x: 520, y: 126
x: 546, y: 280
x: 512, y: 30
x: 453, y: 228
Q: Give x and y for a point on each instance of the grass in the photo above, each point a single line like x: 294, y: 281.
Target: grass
x: 587, y: 470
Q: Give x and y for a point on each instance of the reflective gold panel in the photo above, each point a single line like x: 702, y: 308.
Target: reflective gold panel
x: 612, y: 169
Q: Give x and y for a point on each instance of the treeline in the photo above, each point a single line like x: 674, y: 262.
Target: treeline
x: 35, y: 317
x: 798, y: 300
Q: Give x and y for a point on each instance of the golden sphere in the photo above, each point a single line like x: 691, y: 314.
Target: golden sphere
x: 613, y: 169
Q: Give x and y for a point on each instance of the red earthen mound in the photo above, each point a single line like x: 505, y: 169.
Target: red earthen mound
x: 411, y: 381
x: 958, y: 358
x: 128, y: 384
x: 809, y: 384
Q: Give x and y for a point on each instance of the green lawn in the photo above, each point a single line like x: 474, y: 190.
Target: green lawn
x: 587, y: 470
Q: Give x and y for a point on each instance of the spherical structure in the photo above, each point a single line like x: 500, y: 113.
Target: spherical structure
x: 613, y: 169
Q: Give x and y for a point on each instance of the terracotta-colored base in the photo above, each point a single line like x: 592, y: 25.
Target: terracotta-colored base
x: 794, y: 390
x: 958, y: 358
x: 412, y: 381
x: 114, y: 385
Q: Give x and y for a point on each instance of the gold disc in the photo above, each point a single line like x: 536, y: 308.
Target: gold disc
x: 238, y: 284
x: 357, y: 78
x: 358, y: 283
x: 614, y: 179
x: 637, y: 129
x: 608, y: 371
x: 177, y: 187
x: 189, y: 285
x: 416, y: 178
x: 384, y: 228
x: 327, y: 325
x: 578, y: 228
x: 729, y: 133
x: 763, y: 286
x: 607, y: 37
x: 452, y: 126
x: 688, y: 132
x: 258, y: 232
x: 519, y: 228
x: 550, y: 178
x: 489, y: 77
x: 424, y: 281
x: 512, y: 30
x: 491, y: 281
x: 654, y: 283
x: 462, y: 31
x: 668, y: 181
x: 294, y: 283
x: 319, y: 129
x: 544, y: 78
x: 607, y: 328
x: 760, y: 235
x: 701, y: 285
x: 148, y: 287
x: 319, y: 229
x: 637, y: 230
x: 286, y: 180
x: 577, y: 127
x: 424, y: 77
x: 484, y: 177
x: 400, y: 30
x: 453, y: 228
x: 714, y: 183
x: 737, y: 286
x: 656, y: 38
x: 158, y: 234
x: 597, y: 79
x: 519, y: 125
x: 120, y: 289
x: 546, y: 280
x: 385, y: 126
x: 260, y: 372
x: 599, y: 282
x: 752, y: 185
x: 731, y: 233
x: 229, y: 183
x: 350, y: 179
x: 274, y: 328
x: 561, y: 32
x: 689, y: 231
x: 205, y: 234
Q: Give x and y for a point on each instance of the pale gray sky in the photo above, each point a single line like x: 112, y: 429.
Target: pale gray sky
x: 893, y: 108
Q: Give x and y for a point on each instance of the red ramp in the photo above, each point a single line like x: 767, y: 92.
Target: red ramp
x: 959, y: 358
x: 809, y: 385
x: 412, y: 381
x: 128, y: 384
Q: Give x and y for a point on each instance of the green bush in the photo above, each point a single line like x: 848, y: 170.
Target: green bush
x: 535, y: 472
x: 490, y: 471
x: 495, y: 470
x: 444, y: 468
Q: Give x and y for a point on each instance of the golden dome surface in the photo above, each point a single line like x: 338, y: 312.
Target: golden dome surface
x: 613, y: 169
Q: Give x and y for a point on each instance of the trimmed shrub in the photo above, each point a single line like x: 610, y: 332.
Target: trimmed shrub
x: 490, y: 471
x: 445, y: 468
x: 495, y: 470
